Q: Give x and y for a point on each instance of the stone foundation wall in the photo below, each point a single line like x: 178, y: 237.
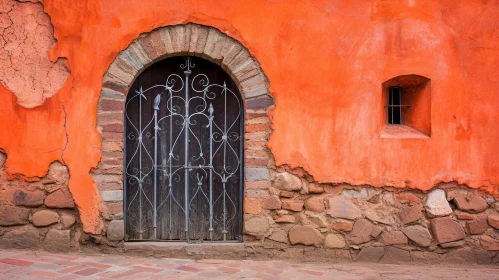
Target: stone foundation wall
x: 298, y: 218
x: 40, y: 214
x: 287, y: 215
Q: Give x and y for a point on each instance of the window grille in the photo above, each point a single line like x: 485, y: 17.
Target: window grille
x: 395, y: 105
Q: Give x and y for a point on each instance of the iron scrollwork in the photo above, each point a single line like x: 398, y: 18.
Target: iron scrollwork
x: 180, y: 154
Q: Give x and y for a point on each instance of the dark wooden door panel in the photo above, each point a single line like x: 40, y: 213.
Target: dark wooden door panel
x: 158, y: 135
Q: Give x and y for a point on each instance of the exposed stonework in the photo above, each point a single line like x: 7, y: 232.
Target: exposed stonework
x: 471, y: 203
x: 446, y: 230
x: 10, y: 215
x: 436, y: 204
x: 341, y: 208
x: 419, y: 235
x: 38, y: 214
x: 116, y: 230
x: 57, y: 240
x: 287, y: 182
x: 45, y: 218
x: 305, y: 235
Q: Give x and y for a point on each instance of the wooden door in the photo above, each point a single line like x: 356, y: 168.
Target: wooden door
x: 183, y: 153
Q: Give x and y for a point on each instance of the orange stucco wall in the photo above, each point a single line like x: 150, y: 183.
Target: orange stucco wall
x: 326, y: 61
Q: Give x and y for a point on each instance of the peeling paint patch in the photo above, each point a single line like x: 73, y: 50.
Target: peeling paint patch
x: 26, y: 36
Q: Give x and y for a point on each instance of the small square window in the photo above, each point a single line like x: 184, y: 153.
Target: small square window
x: 406, y: 103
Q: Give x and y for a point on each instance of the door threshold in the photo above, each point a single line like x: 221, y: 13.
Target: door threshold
x: 231, y: 250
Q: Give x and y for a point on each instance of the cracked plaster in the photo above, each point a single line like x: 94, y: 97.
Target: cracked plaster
x: 26, y: 36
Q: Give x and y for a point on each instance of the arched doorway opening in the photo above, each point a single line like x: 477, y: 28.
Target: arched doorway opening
x: 183, y: 161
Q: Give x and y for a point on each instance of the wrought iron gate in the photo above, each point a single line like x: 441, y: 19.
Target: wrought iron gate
x: 183, y: 153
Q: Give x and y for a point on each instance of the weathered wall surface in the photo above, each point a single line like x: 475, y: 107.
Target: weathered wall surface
x: 325, y: 60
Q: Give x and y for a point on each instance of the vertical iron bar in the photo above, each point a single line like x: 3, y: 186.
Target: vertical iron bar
x: 155, y: 210
x: 140, y: 163
x: 170, y: 159
x: 210, y: 110
x: 225, y: 155
x: 186, y: 151
x: 400, y: 103
x: 391, y: 103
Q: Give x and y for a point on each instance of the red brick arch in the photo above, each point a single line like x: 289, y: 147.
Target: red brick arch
x: 195, y: 40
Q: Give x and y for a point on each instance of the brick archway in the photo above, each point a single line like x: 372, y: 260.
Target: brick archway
x: 195, y: 40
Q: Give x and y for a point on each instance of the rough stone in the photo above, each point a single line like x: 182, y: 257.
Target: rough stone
x: 342, y: 225
x: 60, y: 199
x: 282, y: 212
x: 57, y: 240
x: 342, y: 208
x: 293, y: 205
x: 285, y: 219
x: 489, y: 243
x: 26, y: 237
x: 314, y: 188
x: 115, y: 195
x: 58, y: 172
x: 45, y: 218
x: 256, y: 173
x: 361, y: 232
x: 452, y: 244
x: 315, y: 204
x: 334, y: 240
x: 116, y: 230
x: 256, y: 225
x: 478, y: 226
x: 288, y: 182
x: 382, y: 213
x: 437, y: 204
x: 493, y: 221
x: 279, y: 236
x: 67, y: 220
x: 446, y: 230
x: 305, y: 235
x: 395, y: 255
x: 418, y: 234
x: 272, y: 203
x: 31, y: 199
x: 471, y: 203
x: 318, y: 220
x: 464, y: 216
x: 393, y: 238
x: 362, y: 193
x: 11, y: 215
x: 407, y: 198
x: 370, y: 254
x: 252, y: 206
x: 286, y: 194
x: 377, y: 229
x: 411, y: 214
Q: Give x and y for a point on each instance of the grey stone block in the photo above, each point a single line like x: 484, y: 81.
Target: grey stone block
x: 116, y: 195
x: 116, y: 230
x: 256, y: 174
